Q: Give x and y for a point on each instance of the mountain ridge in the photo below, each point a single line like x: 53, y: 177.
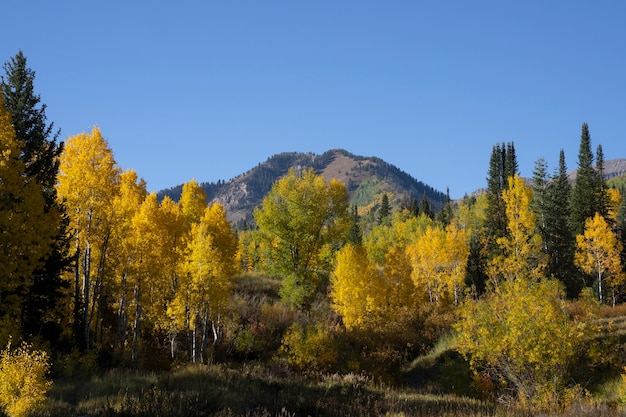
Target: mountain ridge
x: 366, y: 178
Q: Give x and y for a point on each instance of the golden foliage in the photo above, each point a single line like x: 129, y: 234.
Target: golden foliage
x: 524, y: 337
x: 23, y: 383
x: 438, y: 262
x: 598, y: 252
x: 26, y: 231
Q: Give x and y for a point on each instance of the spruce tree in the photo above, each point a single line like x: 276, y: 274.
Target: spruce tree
x: 621, y: 226
x: 385, y: 209
x: 445, y: 214
x: 39, y: 153
x: 558, y: 240
x: 355, y: 235
x: 584, y: 199
x: 601, y: 187
x: 425, y: 207
x: 502, y: 165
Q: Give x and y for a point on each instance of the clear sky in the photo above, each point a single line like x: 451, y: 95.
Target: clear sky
x: 209, y: 89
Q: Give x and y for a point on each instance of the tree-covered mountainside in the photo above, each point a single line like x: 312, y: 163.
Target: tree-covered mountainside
x: 366, y: 179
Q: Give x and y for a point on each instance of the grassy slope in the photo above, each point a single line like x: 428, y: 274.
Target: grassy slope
x: 436, y: 384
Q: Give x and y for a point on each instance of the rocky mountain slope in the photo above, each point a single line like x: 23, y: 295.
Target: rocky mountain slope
x: 366, y: 178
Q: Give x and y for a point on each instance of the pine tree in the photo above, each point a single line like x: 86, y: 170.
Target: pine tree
x: 385, y: 209
x: 502, y: 165
x: 550, y: 202
x: 601, y: 187
x: 446, y: 213
x: 425, y: 207
x: 584, y: 200
x: 40, y: 154
x: 356, y: 234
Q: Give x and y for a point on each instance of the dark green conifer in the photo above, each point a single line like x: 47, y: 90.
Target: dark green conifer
x: 40, y: 154
x: 550, y: 201
x: 601, y: 187
x: 356, y: 234
x: 584, y: 198
x: 385, y: 209
x: 445, y: 214
x: 502, y: 165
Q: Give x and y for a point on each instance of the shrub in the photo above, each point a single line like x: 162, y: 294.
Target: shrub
x: 311, y: 347
x: 23, y: 382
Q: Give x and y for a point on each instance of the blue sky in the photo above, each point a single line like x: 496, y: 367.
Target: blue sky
x: 208, y: 89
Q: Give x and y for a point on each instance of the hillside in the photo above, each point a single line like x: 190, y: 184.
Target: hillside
x: 366, y: 178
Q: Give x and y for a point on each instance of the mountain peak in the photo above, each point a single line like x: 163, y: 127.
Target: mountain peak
x: 366, y: 179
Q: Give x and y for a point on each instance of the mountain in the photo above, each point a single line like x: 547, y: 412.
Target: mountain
x: 366, y: 178
x: 612, y: 168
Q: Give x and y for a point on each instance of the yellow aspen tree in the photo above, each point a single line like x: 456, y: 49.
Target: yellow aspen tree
x: 457, y: 253
x: 598, y: 253
x: 123, y: 252
x: 614, y: 198
x: 353, y: 287
x: 172, y: 226
x: 192, y: 205
x: 522, y: 256
x: 210, y: 264
x: 87, y: 185
x: 26, y: 232
x: 428, y: 262
x: 192, y: 202
x: 398, y: 292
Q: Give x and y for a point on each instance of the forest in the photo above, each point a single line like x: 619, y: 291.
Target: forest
x: 116, y: 302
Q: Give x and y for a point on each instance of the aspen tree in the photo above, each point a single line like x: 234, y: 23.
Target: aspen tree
x: 210, y: 263
x: 302, y: 221
x: 521, y: 250
x: 598, y: 253
x: 88, y: 184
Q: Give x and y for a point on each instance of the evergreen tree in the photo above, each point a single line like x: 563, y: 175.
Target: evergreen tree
x: 621, y: 226
x: 355, y: 235
x: 385, y: 209
x: 40, y: 155
x: 551, y: 205
x: 601, y: 187
x: 511, y: 166
x: 502, y: 165
x: 584, y: 199
x: 425, y: 207
x: 445, y: 214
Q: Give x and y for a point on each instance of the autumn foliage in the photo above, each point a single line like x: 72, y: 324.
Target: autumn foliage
x: 151, y: 282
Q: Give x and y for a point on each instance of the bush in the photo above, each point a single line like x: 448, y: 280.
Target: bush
x: 311, y: 347
x: 23, y: 382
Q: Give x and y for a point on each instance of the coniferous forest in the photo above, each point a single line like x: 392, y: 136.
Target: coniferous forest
x: 114, y: 302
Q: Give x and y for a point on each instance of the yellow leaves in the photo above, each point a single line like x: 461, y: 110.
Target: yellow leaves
x: 522, y: 255
x: 598, y: 252
x: 23, y: 383
x: 26, y: 231
x: 438, y: 259
x: 210, y: 262
x: 88, y: 178
x: 192, y: 201
x: 355, y: 285
x: 524, y: 333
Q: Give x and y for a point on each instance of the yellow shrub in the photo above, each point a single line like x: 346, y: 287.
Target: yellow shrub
x: 23, y: 382
x: 310, y: 348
